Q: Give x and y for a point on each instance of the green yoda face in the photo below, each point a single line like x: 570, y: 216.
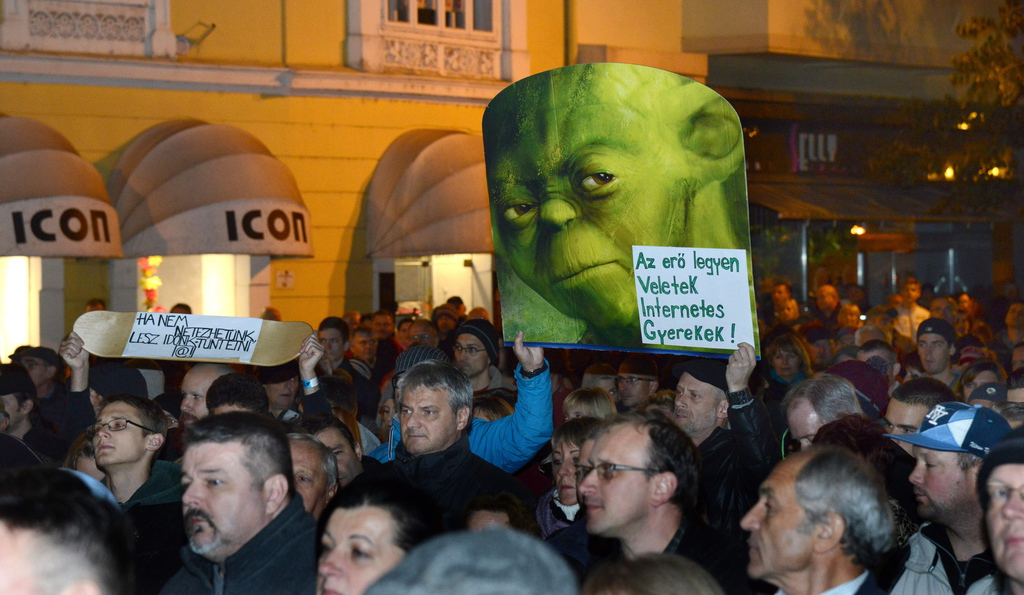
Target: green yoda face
x: 587, y: 161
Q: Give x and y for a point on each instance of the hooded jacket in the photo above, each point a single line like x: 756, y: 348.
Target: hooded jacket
x: 155, y: 512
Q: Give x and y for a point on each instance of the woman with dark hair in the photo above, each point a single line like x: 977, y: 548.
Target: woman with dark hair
x: 977, y: 373
x: 866, y: 439
x: 367, y: 529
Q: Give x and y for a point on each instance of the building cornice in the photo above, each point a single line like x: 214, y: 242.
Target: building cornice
x: 276, y: 81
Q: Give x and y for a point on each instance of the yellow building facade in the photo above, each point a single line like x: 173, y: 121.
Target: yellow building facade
x: 329, y: 85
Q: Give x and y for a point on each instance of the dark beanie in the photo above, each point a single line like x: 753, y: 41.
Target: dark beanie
x: 1008, y: 451
x: 16, y: 381
x: 485, y: 331
x: 279, y: 373
x: 117, y: 379
x: 636, y: 363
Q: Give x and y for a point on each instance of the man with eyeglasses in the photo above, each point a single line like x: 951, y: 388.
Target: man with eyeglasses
x: 639, y: 485
x: 638, y: 377
x: 476, y: 353
x: 127, y: 437
x: 1001, y: 492
x: 949, y: 554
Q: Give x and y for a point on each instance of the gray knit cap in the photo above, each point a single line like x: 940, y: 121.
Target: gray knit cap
x: 496, y: 561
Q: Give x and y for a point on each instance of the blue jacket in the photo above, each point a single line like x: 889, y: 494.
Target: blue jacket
x: 509, y: 442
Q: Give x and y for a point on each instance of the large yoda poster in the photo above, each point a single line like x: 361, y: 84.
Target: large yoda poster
x: 619, y: 211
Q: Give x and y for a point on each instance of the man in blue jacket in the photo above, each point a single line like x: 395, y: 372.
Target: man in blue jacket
x: 509, y: 442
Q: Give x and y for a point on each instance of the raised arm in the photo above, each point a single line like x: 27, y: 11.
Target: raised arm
x: 510, y: 442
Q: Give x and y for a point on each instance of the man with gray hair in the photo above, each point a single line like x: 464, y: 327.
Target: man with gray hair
x: 822, y: 520
x: 435, y: 401
x: 315, y: 471
x: 815, y: 402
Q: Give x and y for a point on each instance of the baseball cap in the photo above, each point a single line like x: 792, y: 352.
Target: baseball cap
x: 937, y: 326
x: 45, y: 354
x: 992, y: 391
x: 958, y: 427
x: 710, y: 371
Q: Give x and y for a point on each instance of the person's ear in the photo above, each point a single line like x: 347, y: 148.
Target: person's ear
x: 358, y: 449
x: 5, y: 423
x: 952, y: 350
x: 154, y: 441
x: 722, y: 409
x: 828, y: 535
x: 275, y: 493
x: 462, y: 418
x: 664, y: 487
x: 27, y: 406
x: 331, y: 491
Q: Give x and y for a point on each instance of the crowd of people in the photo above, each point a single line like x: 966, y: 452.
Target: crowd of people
x: 863, y: 453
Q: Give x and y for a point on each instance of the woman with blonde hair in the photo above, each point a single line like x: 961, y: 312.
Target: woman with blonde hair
x: 588, y: 402
x: 557, y: 508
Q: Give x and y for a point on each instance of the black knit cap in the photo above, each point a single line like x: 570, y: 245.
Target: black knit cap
x: 16, y: 381
x: 1008, y: 451
x: 115, y: 378
x: 485, y: 331
x: 279, y: 373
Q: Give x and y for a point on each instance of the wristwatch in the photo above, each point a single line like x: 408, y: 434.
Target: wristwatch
x: 534, y: 373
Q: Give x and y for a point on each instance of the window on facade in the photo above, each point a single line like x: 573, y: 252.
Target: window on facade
x: 444, y: 14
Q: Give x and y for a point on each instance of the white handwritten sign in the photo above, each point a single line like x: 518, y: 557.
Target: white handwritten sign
x: 697, y: 298
x: 192, y: 336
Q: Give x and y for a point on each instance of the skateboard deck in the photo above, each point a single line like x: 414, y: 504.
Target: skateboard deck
x: 190, y: 337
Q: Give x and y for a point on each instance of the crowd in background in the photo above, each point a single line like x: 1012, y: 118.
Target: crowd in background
x: 856, y: 454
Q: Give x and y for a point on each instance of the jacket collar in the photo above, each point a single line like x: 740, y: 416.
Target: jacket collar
x: 264, y: 546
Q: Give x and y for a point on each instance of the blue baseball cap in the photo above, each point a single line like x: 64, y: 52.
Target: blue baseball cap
x: 958, y: 427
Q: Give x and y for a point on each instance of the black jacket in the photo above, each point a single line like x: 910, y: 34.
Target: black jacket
x: 734, y: 463
x: 453, y: 477
x: 723, y: 557
x: 280, y: 559
x: 155, y: 511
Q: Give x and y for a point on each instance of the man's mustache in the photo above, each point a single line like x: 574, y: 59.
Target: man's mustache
x: 196, y: 513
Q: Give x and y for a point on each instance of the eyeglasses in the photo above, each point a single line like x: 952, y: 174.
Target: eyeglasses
x: 606, y: 471
x: 471, y: 350
x: 999, y: 494
x: 421, y: 337
x: 633, y: 379
x: 114, y: 425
